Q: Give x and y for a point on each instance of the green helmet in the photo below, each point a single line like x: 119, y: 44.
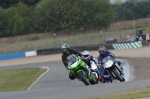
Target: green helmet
x: 65, y: 46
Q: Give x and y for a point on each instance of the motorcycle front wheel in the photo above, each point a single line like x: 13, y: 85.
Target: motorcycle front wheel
x: 83, y: 78
x: 118, y: 76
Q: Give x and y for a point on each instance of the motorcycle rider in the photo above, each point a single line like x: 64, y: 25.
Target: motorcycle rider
x: 88, y: 58
x: 66, y: 52
x: 104, y: 53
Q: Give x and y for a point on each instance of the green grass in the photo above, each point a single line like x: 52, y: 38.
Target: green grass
x: 18, y: 79
x: 137, y: 94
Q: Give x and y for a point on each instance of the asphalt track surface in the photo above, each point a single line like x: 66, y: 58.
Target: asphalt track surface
x: 55, y: 84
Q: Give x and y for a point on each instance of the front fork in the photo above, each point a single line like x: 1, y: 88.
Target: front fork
x: 119, y: 68
x: 87, y: 71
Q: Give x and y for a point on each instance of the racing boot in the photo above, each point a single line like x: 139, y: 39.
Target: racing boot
x: 98, y: 73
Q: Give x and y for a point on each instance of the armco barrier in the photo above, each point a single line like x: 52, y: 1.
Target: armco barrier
x: 31, y: 53
x: 48, y: 51
x: 127, y: 45
x: 79, y: 48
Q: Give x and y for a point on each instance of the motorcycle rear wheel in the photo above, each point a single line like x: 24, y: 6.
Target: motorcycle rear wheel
x: 93, y: 79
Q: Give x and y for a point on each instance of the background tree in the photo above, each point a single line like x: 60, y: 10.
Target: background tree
x: 15, y: 22
x: 118, y: 2
x: 23, y: 17
x: 28, y: 16
x: 132, y: 10
x: 12, y: 3
x: 3, y: 22
x: 67, y: 15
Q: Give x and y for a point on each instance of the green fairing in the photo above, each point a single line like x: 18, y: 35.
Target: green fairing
x: 76, y: 69
x: 76, y: 65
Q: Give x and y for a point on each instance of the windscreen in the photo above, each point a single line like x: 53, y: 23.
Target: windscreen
x: 106, y: 59
x: 71, y: 58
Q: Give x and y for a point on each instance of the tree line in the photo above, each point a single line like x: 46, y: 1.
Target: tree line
x: 25, y: 17
x: 132, y: 10
x: 9, y: 3
x: 19, y: 17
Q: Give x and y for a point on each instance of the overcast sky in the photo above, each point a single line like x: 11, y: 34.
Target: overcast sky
x: 112, y: 1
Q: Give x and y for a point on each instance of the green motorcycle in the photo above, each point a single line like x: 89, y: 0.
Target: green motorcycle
x: 78, y: 68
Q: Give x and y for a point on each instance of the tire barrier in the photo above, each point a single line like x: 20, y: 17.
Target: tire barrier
x: 127, y: 45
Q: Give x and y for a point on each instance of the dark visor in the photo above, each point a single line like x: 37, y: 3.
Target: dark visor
x: 85, y: 55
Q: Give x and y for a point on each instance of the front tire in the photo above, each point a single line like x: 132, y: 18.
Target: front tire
x: 118, y: 76
x: 83, y: 78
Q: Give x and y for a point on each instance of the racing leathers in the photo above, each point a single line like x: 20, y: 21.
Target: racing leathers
x: 89, y: 59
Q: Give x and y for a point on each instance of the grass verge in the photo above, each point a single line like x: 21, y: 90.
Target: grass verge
x: 137, y: 94
x: 18, y: 79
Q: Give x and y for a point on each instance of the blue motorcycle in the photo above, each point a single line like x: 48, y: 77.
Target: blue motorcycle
x: 112, y: 67
x: 105, y: 76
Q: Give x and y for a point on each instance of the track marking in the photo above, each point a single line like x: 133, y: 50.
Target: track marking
x: 39, y: 77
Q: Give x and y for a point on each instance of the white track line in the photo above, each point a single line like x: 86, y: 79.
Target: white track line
x: 39, y: 77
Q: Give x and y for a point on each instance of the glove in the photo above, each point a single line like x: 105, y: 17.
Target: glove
x: 112, y: 56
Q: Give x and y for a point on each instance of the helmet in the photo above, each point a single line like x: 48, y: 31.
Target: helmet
x: 85, y: 54
x: 101, y: 50
x: 65, y: 46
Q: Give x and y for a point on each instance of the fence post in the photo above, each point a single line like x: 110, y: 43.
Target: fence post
x: 101, y: 36
x: 59, y: 42
x: 54, y: 35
